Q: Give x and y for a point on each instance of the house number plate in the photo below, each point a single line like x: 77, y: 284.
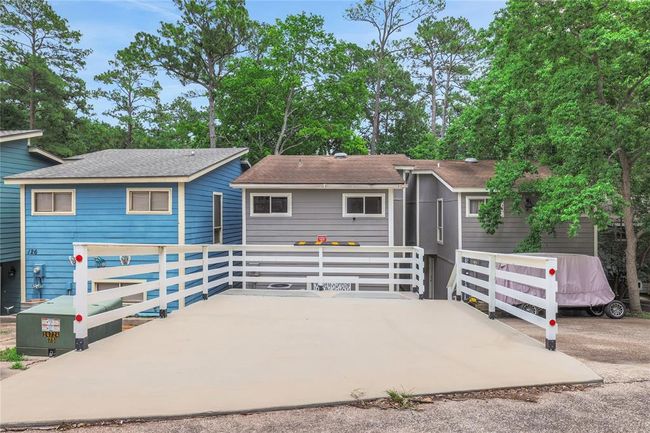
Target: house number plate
x: 50, y: 325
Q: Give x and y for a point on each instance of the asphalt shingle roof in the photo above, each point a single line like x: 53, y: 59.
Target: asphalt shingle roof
x: 309, y: 169
x: 13, y: 132
x: 134, y: 163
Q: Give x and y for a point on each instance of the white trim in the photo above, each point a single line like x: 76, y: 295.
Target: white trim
x: 595, y: 240
x: 449, y: 187
x: 23, y: 277
x: 476, y: 197
x: 181, y: 213
x: 417, y: 210
x: 460, y: 221
x: 440, y: 222
x: 243, y: 216
x: 220, y: 195
x: 344, y: 208
x: 316, y: 186
x: 73, y: 203
x: 271, y: 214
x: 21, y: 136
x: 152, y: 212
x: 132, y: 179
x: 45, y: 154
x: 391, y: 218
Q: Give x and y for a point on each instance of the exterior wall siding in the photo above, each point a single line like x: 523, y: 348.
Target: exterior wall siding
x: 315, y: 212
x: 100, y: 217
x: 14, y: 158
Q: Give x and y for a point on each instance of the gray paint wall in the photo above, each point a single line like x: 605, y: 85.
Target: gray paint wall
x: 317, y: 212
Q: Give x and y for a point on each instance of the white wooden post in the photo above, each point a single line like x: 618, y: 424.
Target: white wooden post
x: 80, y: 301
x: 492, y: 272
x: 391, y: 269
x: 551, y: 303
x: 243, y: 267
x: 204, y: 252
x: 162, y: 280
x: 229, y: 268
x: 181, y: 273
x: 459, y: 275
x: 320, y: 267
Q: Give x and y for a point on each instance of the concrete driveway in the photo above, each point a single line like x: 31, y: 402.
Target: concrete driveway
x: 247, y: 353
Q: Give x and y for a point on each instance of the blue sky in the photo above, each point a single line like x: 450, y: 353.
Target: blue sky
x: 109, y: 25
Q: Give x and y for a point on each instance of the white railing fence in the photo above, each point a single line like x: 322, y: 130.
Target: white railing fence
x: 509, y: 282
x: 166, y: 274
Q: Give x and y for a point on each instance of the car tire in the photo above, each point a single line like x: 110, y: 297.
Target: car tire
x: 615, y: 309
x: 596, y: 310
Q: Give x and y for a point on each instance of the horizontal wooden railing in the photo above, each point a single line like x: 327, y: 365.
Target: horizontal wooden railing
x: 176, y: 273
x: 502, y: 281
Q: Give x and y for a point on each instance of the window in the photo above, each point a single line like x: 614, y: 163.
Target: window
x: 53, y: 202
x: 473, y: 205
x: 112, y: 284
x: 149, y: 201
x: 217, y: 218
x: 368, y: 205
x: 277, y: 204
x: 440, y: 212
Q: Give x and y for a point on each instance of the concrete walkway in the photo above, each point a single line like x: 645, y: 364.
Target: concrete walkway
x: 244, y: 353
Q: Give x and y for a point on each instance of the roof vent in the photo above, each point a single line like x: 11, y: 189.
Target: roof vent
x: 340, y: 155
x: 471, y: 160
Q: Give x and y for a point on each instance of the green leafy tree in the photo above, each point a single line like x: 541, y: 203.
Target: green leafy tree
x: 179, y: 125
x: 197, y: 48
x: 132, y: 90
x: 387, y: 18
x: 300, y: 93
x: 568, y: 86
x: 38, y: 71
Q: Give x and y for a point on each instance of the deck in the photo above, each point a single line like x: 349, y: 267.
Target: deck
x: 236, y: 353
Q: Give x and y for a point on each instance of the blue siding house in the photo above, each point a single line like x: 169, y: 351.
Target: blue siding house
x: 17, y: 155
x: 147, y: 196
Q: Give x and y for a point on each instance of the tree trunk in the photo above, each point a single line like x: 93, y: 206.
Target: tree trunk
x: 285, y: 120
x: 632, y: 277
x: 32, y: 105
x: 375, y: 118
x: 434, y: 89
x: 211, y: 119
x: 445, y: 103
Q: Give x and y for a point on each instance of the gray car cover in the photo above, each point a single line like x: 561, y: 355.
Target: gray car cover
x: 581, y: 281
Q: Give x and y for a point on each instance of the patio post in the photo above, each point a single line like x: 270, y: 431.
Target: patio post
x: 80, y: 300
x: 459, y: 275
x: 230, y: 267
x: 492, y: 286
x: 204, y: 255
x: 551, y: 303
x: 320, y: 267
x: 162, y: 280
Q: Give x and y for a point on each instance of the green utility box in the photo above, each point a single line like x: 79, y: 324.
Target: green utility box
x: 46, y: 329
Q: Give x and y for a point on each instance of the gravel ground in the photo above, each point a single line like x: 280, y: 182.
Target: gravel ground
x: 617, y: 350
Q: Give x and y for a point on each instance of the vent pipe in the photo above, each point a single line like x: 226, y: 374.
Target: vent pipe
x: 471, y: 160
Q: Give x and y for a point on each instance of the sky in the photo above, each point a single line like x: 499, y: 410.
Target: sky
x: 109, y: 25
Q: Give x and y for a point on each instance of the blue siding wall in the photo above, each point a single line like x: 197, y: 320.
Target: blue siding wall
x: 14, y: 158
x: 100, y: 217
x: 198, y: 211
x: 198, y: 206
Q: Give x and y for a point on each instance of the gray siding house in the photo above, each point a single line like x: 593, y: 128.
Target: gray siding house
x: 387, y: 200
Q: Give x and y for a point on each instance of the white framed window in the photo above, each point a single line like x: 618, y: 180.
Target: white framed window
x: 440, y: 221
x: 270, y: 204
x: 473, y: 204
x: 149, y: 201
x: 363, y: 205
x: 53, y: 202
x: 217, y: 218
x: 100, y: 285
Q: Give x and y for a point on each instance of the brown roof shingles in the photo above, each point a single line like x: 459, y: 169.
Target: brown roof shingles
x: 304, y: 169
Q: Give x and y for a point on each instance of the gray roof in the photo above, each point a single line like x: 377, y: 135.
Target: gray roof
x: 134, y: 163
x: 7, y: 135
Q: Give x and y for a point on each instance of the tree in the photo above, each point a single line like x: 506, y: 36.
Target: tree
x: 40, y: 60
x: 300, y: 93
x: 568, y: 86
x: 178, y: 125
x: 132, y: 90
x: 443, y: 55
x: 197, y: 48
x: 387, y: 17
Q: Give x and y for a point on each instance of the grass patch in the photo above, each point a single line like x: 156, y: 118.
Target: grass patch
x: 641, y: 315
x: 10, y: 355
x: 402, y: 399
x: 18, y: 366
